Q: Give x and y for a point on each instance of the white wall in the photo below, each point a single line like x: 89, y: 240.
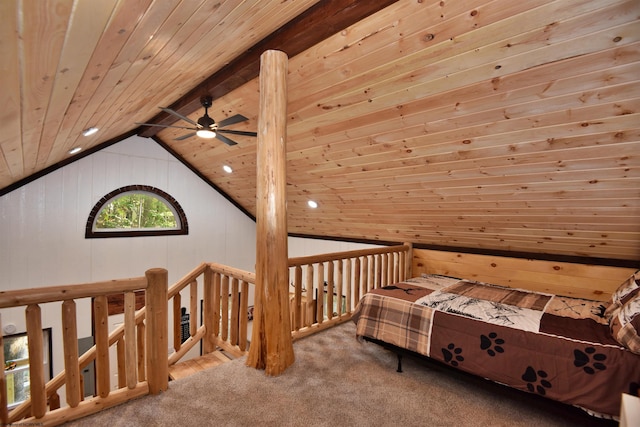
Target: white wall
x: 42, y: 227
x: 43, y: 223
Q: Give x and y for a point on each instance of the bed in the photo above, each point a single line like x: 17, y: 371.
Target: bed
x: 580, y: 352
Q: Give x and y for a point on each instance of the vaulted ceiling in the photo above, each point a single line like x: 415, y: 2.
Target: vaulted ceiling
x: 487, y: 125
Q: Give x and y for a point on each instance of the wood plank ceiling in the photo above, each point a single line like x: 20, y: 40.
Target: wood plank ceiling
x: 487, y: 125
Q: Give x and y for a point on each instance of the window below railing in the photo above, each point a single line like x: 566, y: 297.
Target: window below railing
x: 16, y: 366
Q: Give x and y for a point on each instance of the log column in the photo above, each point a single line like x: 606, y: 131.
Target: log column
x: 271, y: 345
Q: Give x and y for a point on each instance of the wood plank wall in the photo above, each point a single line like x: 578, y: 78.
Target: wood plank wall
x: 576, y: 280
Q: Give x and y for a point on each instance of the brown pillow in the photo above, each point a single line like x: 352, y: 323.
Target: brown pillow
x: 625, y: 325
x: 625, y: 292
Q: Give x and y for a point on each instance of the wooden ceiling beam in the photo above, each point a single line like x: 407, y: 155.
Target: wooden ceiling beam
x: 317, y: 23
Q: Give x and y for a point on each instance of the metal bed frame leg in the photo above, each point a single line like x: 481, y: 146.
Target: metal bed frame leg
x: 399, y: 362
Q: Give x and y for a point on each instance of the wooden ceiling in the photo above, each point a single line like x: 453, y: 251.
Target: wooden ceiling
x: 487, y: 125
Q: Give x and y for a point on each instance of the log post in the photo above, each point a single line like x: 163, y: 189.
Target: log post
x: 120, y: 362
x: 36, y: 358
x: 156, y: 329
x: 271, y: 345
x: 4, y: 414
x: 244, y: 314
x: 224, y: 303
x: 193, y: 308
x: 235, y: 308
x: 70, y: 340
x: 211, y: 317
x: 141, y: 352
x: 408, y: 266
x: 101, y: 327
x: 131, y: 362
x: 177, y: 317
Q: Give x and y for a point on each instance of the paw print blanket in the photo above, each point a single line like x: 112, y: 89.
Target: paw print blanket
x: 557, y: 347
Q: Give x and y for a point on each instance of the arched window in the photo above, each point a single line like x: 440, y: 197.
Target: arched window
x: 136, y: 210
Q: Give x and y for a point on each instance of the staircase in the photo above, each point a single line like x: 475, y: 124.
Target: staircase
x: 223, y: 353
x: 197, y: 364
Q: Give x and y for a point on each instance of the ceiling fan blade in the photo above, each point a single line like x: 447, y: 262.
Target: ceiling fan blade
x: 175, y: 113
x: 225, y: 139
x: 237, y: 132
x: 164, y: 126
x: 180, y: 138
x: 232, y: 120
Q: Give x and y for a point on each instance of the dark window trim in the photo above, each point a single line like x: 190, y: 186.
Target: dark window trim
x: 181, y: 217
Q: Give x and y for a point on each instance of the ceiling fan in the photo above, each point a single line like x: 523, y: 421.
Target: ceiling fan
x: 206, y: 127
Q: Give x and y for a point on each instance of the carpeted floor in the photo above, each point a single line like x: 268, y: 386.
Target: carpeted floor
x: 339, y: 381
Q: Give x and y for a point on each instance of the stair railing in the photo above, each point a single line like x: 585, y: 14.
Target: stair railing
x: 225, y: 308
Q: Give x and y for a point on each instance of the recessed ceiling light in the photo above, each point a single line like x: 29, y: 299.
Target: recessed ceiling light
x: 90, y: 131
x: 312, y: 204
x: 75, y: 150
x: 227, y: 168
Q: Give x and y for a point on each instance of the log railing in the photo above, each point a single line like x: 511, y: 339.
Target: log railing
x: 225, y: 322
x: 141, y: 361
x: 141, y: 341
x: 324, y: 289
x: 43, y: 406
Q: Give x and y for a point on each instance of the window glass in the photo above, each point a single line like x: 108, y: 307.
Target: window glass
x: 136, y: 210
x: 16, y: 366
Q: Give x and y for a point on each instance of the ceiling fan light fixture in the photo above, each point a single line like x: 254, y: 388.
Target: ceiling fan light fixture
x: 206, y: 133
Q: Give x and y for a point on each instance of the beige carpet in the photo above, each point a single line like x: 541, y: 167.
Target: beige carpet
x: 339, y: 381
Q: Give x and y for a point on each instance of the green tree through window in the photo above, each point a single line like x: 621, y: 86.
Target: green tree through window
x: 136, y: 210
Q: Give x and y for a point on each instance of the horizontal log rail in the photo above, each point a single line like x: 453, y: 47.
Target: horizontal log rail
x: 326, y: 288
x: 22, y: 297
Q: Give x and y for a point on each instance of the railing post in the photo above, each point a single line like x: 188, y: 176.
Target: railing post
x: 4, y: 415
x: 297, y: 298
x: 408, y: 267
x: 224, y: 302
x: 141, y: 351
x: 349, y: 284
x: 235, y: 311
x: 130, y: 339
x: 310, y: 305
x: 36, y: 357
x: 177, y: 317
x: 70, y: 347
x: 210, y: 316
x: 157, y: 328
x: 330, y: 287
x: 320, y: 296
x: 193, y: 308
x: 244, y: 313
x: 101, y: 327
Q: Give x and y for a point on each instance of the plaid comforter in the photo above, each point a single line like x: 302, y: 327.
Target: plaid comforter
x: 565, y: 353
